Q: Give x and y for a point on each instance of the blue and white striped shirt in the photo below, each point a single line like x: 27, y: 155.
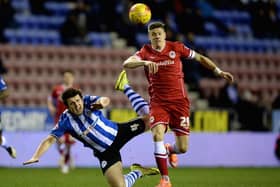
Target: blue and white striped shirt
x: 91, y: 127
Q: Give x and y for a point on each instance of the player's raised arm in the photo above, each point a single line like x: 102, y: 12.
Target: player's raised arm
x: 100, y: 103
x: 208, y: 63
x: 41, y: 149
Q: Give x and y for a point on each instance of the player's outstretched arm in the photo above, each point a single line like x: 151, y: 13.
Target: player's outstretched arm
x: 41, y: 149
x: 103, y: 102
x: 208, y: 63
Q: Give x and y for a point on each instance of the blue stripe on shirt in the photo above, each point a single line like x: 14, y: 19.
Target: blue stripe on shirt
x: 104, y: 133
x: 97, y: 141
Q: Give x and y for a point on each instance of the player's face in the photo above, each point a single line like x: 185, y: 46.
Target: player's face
x: 157, y: 36
x: 75, y: 105
x: 68, y: 78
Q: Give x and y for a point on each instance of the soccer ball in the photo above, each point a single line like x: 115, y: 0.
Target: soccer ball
x: 140, y: 13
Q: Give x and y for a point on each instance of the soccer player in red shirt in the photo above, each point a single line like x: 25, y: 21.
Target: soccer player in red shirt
x: 169, y: 103
x: 56, y: 108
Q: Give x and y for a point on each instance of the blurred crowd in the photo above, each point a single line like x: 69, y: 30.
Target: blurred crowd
x: 184, y: 18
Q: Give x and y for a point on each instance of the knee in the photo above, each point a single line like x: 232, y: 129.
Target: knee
x: 120, y: 184
x: 146, y: 119
x: 117, y: 183
x: 158, y: 134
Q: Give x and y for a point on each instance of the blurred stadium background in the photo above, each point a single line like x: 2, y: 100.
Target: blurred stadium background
x: 232, y: 126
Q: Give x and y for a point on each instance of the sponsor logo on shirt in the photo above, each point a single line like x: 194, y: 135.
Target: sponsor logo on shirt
x: 166, y: 62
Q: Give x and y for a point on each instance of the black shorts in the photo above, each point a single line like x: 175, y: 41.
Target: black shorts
x: 126, y: 132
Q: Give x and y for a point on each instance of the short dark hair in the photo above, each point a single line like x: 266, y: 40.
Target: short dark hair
x: 70, y: 92
x: 67, y: 71
x: 156, y: 24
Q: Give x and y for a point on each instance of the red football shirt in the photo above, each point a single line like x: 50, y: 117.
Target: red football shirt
x: 168, y: 83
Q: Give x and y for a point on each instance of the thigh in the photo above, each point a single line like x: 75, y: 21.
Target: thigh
x: 114, y: 175
x: 127, y: 131
x: 158, y: 115
x: 108, y: 159
x: 180, y: 121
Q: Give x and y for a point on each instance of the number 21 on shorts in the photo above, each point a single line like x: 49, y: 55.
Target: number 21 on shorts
x: 185, y: 121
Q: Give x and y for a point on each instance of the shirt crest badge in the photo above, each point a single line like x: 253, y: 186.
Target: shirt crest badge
x: 172, y: 54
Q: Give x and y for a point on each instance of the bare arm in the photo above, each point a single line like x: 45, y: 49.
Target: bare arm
x: 209, y: 64
x: 102, y: 102
x: 41, y: 149
x: 51, y: 106
x: 134, y: 62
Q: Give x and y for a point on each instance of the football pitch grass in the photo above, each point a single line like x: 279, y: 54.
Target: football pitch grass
x: 181, y: 177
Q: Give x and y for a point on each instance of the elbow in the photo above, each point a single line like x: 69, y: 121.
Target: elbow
x: 125, y: 66
x: 105, y: 101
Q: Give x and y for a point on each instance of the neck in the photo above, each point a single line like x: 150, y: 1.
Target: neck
x: 159, y: 46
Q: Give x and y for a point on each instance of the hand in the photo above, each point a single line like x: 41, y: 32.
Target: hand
x: 228, y: 76
x: 152, y: 66
x: 96, y: 106
x: 30, y: 161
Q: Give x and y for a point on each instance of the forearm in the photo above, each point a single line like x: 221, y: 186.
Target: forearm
x: 100, y: 103
x: 51, y: 106
x: 209, y: 64
x: 206, y: 62
x: 43, y: 147
x: 133, y: 62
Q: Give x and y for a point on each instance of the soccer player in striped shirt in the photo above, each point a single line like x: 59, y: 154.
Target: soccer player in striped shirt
x: 84, y: 120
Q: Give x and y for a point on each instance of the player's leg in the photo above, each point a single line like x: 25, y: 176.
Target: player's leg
x: 111, y: 166
x: 67, y: 155
x: 179, y: 147
x: 139, y: 104
x: 11, y: 150
x: 160, y: 154
x: 159, y: 121
x: 61, y: 146
x: 3, y: 143
x: 69, y: 141
x: 179, y: 124
x: 115, y: 177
